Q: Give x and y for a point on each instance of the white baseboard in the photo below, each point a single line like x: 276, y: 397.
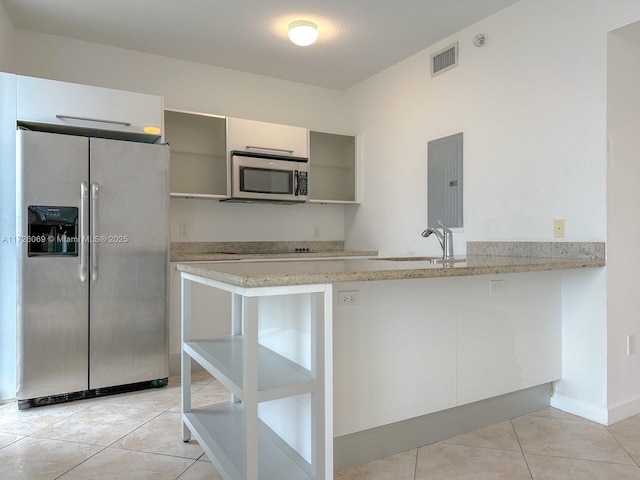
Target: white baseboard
x: 580, y: 407
x: 623, y: 410
x: 362, y: 447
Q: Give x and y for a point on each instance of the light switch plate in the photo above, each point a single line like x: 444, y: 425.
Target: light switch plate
x: 558, y: 228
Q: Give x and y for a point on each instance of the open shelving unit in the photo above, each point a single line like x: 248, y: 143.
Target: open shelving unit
x: 333, y: 162
x: 198, y: 143
x: 279, y: 423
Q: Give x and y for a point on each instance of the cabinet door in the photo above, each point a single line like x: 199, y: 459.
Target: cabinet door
x: 510, y: 340
x: 250, y: 133
x: 128, y: 291
x: 395, y: 351
x: 87, y: 109
x: 52, y: 316
x: 333, y: 167
x: 198, y: 154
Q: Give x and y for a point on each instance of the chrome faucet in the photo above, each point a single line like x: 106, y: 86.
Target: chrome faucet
x: 445, y: 238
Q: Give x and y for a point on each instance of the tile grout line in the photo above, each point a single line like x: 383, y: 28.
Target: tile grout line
x: 526, y: 462
x: 33, y: 434
x: 131, y: 431
x: 415, y: 467
x: 160, y: 412
x: 578, y: 458
x: 185, y: 470
x: 622, y: 446
x: 101, y: 448
x: 83, y: 443
x: 478, y: 446
x: 77, y: 465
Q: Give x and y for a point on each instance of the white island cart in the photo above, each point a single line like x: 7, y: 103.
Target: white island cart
x: 277, y: 363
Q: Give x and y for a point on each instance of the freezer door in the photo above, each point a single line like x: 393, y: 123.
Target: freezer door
x: 52, y: 293
x: 129, y: 194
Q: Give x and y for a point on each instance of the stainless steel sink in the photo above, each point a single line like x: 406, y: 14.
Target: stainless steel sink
x: 421, y: 259
x: 452, y: 260
x: 408, y: 259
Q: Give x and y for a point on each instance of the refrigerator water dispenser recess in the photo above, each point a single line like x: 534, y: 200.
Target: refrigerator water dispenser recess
x: 52, y: 231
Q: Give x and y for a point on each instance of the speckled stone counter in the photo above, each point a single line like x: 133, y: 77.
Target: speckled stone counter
x: 268, y: 274
x: 220, y: 251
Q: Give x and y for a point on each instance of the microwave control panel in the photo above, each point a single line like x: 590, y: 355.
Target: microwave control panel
x: 302, y: 183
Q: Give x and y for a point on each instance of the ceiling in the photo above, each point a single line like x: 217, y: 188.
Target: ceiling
x: 358, y: 38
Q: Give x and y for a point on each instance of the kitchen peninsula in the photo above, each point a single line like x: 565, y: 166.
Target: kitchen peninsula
x: 265, y: 274
x: 412, y: 338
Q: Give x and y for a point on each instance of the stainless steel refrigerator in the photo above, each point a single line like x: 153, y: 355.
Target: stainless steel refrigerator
x: 92, y: 224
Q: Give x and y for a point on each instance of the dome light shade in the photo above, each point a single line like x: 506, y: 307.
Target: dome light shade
x: 303, y: 32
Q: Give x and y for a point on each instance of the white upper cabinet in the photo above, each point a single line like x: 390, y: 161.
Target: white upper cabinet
x: 270, y: 136
x: 71, y: 107
x: 334, y: 168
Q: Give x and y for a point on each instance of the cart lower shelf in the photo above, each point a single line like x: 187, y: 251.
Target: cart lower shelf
x: 219, y: 429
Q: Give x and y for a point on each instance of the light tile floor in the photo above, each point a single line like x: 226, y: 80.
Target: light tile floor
x: 137, y: 436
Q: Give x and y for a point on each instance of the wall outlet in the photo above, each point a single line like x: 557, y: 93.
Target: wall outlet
x: 558, y: 228
x: 348, y: 299
x: 316, y: 232
x: 631, y: 344
x: 497, y: 287
x: 184, y: 229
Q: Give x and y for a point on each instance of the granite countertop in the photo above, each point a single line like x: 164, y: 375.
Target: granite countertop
x: 225, y: 251
x: 267, y: 274
x: 221, y: 256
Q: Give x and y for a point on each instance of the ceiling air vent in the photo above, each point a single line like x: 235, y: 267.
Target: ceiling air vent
x: 444, y: 60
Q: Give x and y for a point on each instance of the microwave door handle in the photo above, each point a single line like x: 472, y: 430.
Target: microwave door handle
x: 295, y: 182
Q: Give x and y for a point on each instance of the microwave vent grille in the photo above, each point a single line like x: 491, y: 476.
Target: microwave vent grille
x: 444, y: 60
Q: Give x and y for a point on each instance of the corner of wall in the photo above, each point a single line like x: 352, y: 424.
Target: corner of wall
x: 7, y: 229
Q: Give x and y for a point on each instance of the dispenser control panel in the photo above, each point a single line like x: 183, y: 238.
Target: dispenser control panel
x: 52, y: 230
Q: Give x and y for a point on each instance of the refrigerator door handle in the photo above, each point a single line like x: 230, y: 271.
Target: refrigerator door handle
x: 84, y: 194
x: 94, y: 231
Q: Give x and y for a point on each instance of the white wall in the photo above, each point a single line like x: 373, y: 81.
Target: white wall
x: 6, y: 40
x: 7, y: 217
x: 623, y: 198
x: 201, y: 88
x: 8, y: 247
x: 532, y: 104
x: 215, y: 222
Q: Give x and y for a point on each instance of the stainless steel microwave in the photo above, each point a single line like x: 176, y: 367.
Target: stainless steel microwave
x: 257, y: 176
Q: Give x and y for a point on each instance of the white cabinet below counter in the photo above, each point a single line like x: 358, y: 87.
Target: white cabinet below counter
x: 87, y: 109
x: 414, y: 347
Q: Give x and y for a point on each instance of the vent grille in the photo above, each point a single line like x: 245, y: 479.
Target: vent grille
x: 444, y: 60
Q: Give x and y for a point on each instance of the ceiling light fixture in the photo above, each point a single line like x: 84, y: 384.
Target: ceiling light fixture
x: 303, y: 32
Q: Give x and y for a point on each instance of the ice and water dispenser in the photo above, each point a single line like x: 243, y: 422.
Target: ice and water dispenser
x: 52, y: 231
